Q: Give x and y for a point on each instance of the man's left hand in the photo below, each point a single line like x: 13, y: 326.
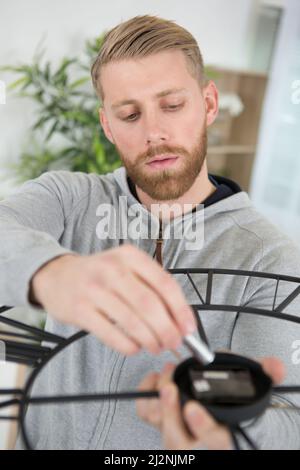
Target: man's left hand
x: 191, y: 427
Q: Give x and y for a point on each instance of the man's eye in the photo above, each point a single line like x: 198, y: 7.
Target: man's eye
x: 174, y: 106
x: 131, y: 117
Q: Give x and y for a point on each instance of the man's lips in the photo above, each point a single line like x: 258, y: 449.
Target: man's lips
x: 163, y: 161
x: 159, y: 158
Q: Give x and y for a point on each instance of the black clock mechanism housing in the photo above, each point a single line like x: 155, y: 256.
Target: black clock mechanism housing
x: 233, y: 388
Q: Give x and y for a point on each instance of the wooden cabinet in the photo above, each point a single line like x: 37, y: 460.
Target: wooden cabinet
x: 232, y: 140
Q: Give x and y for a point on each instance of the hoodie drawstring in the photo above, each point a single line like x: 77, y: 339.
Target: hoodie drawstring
x: 159, y: 242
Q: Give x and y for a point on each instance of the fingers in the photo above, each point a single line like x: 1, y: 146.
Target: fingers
x: 164, y: 285
x: 274, y: 368
x: 149, y: 309
x: 121, y: 296
x: 142, y: 298
x: 150, y: 410
x: 112, y: 306
x: 192, y: 427
x: 175, y: 434
x: 103, y: 329
x: 204, y: 429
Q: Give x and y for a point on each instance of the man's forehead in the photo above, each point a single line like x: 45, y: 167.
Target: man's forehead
x: 153, y: 76
x: 160, y: 94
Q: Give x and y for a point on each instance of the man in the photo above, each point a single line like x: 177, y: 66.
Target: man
x: 57, y: 254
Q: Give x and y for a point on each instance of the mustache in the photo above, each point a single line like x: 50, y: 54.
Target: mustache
x: 160, y: 150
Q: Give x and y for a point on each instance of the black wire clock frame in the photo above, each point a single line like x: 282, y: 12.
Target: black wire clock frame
x: 38, y: 355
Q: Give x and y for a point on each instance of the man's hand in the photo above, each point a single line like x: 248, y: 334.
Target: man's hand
x: 121, y: 295
x: 191, y: 427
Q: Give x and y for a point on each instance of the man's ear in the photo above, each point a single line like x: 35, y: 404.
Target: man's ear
x: 105, y: 125
x: 211, y: 100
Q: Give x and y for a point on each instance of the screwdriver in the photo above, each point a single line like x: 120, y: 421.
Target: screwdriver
x: 198, y: 348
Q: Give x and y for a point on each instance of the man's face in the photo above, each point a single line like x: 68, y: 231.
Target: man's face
x: 153, y: 110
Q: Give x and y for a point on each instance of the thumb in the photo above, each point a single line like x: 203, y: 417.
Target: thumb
x: 173, y: 426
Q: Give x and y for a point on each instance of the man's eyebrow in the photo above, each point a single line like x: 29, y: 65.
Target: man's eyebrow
x: 170, y: 91
x: 161, y: 94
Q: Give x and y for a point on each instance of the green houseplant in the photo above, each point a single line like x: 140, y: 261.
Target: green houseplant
x: 70, y: 135
x: 67, y: 121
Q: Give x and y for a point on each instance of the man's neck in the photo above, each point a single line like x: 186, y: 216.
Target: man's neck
x: 201, y: 189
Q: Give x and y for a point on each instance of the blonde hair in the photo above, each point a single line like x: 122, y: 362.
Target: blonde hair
x: 142, y: 36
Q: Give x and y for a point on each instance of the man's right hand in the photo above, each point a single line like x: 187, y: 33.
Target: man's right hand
x: 122, y: 296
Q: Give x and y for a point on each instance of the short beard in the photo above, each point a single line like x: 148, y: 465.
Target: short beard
x: 169, y: 184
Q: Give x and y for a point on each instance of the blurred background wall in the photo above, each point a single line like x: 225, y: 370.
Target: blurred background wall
x: 275, y: 178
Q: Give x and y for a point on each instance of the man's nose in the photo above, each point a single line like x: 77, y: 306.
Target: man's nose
x: 155, y: 132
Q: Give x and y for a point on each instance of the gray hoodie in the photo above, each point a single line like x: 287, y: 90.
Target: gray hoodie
x: 60, y: 212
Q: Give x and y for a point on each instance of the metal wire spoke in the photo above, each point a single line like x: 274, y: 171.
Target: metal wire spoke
x: 287, y: 389
x: 27, y: 348
x: 283, y: 406
x: 37, y: 332
x: 195, y: 287
x: 46, y: 400
x: 9, y: 418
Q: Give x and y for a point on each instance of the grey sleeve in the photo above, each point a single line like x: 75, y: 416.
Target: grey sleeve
x: 31, y: 224
x: 257, y: 336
